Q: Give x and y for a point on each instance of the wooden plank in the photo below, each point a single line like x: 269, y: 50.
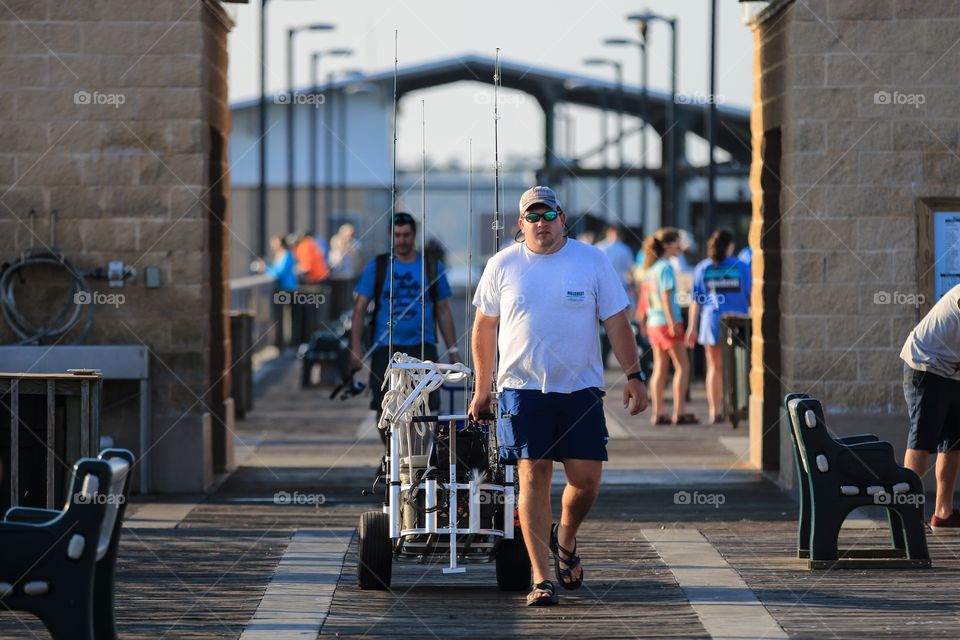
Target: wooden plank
x: 14, y: 443
x: 298, y: 599
x: 723, y: 601
x: 51, y: 442
x: 85, y: 419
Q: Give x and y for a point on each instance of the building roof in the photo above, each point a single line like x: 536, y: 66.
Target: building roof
x: 551, y: 86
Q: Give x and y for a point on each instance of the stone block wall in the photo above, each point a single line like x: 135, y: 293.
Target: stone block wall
x: 865, y: 94
x: 111, y: 113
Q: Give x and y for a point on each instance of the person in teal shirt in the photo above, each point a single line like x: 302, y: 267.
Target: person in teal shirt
x: 664, y: 327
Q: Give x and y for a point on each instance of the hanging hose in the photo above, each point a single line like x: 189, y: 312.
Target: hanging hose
x: 69, y: 315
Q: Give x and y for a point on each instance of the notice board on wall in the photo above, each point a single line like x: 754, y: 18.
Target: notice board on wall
x: 946, y: 252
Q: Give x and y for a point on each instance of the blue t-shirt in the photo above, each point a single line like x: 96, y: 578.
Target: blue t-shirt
x: 284, y: 269
x: 660, y: 278
x: 719, y: 289
x: 406, y: 301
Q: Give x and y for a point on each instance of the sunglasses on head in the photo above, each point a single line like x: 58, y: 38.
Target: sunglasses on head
x: 549, y: 216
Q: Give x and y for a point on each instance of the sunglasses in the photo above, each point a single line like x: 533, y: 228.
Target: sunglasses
x: 549, y: 216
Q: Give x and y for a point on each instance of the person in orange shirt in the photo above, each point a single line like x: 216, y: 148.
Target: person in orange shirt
x: 311, y: 265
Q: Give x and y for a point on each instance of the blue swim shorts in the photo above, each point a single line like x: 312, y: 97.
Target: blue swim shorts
x: 553, y: 426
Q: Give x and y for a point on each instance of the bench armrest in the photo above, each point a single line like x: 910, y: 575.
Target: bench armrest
x: 857, y: 439
x: 30, y: 515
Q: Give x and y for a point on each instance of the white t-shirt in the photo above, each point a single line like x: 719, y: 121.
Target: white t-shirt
x: 549, y: 307
x: 934, y: 344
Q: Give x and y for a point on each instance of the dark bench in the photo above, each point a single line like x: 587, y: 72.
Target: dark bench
x: 839, y: 474
x: 59, y: 565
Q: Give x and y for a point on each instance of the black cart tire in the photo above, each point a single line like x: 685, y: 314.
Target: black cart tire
x: 374, y: 555
x: 513, y: 564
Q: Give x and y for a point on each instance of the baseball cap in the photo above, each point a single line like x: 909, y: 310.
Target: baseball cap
x: 539, y: 195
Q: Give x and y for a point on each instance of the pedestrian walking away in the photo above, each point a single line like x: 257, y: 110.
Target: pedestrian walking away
x: 664, y: 326
x: 721, y: 285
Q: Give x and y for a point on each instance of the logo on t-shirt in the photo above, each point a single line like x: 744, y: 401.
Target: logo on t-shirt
x: 575, y: 296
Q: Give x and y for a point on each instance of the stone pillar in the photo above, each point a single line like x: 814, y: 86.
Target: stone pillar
x: 765, y: 185
x: 114, y: 113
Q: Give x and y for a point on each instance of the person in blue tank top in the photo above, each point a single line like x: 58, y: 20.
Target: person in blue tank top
x: 721, y: 285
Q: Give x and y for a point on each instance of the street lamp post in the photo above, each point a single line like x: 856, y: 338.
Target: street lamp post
x: 642, y: 48
x: 345, y: 92
x: 643, y: 20
x: 618, y: 70
x: 291, y: 200
x: 315, y: 128
x: 328, y: 123
x: 712, y: 123
x: 261, y: 139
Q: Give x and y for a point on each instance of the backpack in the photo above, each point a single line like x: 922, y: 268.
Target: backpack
x: 380, y: 278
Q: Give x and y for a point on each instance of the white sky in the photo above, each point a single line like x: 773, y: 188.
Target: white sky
x: 534, y: 32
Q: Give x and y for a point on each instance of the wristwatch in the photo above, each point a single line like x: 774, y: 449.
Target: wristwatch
x: 636, y: 375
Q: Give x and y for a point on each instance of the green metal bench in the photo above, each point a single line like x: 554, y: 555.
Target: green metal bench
x: 59, y: 564
x: 839, y: 474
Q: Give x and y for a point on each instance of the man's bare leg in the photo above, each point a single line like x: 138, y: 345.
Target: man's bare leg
x: 535, y: 515
x: 583, y: 486
x: 948, y: 464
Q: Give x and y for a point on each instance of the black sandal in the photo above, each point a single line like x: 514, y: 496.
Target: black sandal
x: 687, y: 418
x: 572, y: 561
x: 547, y: 598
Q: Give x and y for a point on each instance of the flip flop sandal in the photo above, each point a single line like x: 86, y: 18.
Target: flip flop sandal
x: 572, y: 560
x: 663, y: 420
x: 687, y: 418
x: 546, y: 598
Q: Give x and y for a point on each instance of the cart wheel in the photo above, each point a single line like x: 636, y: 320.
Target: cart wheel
x: 513, y: 564
x: 375, y: 558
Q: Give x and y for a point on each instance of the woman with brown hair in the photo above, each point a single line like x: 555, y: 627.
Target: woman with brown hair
x: 664, y: 326
x: 721, y: 285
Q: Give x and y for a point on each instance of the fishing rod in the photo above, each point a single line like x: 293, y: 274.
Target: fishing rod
x: 423, y: 229
x: 393, y: 188
x: 497, y: 222
x: 466, y: 310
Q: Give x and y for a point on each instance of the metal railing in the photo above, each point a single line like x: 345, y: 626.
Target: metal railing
x: 51, y: 420
x: 254, y: 295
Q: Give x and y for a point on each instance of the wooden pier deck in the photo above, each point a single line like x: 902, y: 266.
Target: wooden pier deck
x: 204, y: 572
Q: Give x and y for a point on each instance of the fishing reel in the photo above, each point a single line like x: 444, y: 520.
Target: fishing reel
x: 348, y: 388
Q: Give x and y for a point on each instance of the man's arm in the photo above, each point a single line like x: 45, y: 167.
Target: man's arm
x: 356, y: 331
x: 484, y: 351
x: 447, y: 328
x: 625, y: 348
